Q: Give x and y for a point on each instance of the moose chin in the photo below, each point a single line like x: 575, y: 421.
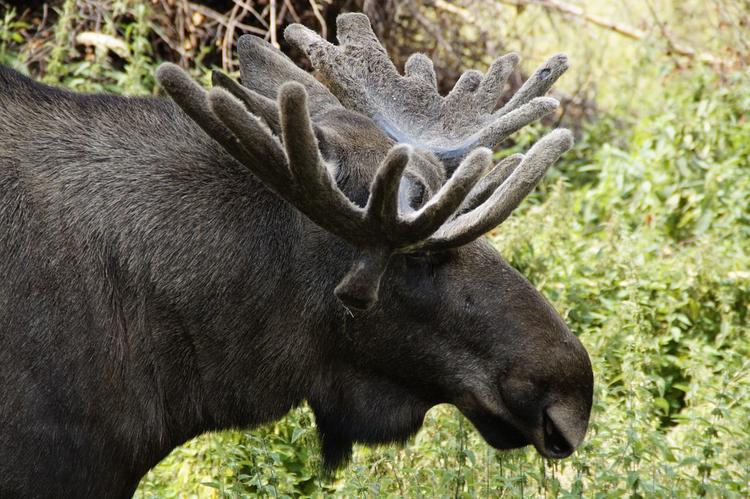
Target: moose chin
x: 171, y: 267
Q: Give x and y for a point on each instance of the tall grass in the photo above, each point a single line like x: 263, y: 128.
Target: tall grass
x: 640, y: 238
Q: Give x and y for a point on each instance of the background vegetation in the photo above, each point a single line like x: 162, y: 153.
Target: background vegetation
x: 640, y: 236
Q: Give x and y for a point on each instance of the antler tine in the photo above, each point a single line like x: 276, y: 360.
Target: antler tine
x: 419, y: 67
x: 424, y: 222
x: 308, y: 41
x: 489, y: 183
x: 462, y: 92
x: 299, y: 139
x: 492, y: 86
x: 354, y: 29
x: 506, y: 124
x: 264, y: 68
x: 473, y: 90
x: 192, y: 99
x: 323, y: 56
x: 254, y: 102
x: 382, y: 205
x: 319, y: 197
x: 538, y: 83
x: 257, y: 148
x: 359, y: 53
x: 506, y: 198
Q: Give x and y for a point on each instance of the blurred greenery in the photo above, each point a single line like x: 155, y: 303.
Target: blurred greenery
x: 640, y: 237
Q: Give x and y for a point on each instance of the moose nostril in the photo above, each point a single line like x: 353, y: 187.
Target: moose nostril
x: 555, y: 443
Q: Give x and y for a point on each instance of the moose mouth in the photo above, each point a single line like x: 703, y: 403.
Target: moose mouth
x: 497, y: 432
x: 548, y: 440
x: 555, y: 443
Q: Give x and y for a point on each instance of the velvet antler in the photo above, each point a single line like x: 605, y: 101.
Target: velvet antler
x: 296, y: 172
x: 277, y: 99
x: 409, y: 107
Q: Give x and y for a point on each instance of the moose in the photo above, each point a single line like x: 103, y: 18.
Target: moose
x: 175, y: 266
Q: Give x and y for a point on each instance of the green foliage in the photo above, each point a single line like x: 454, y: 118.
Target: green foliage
x: 83, y: 67
x: 641, y: 239
x: 10, y: 33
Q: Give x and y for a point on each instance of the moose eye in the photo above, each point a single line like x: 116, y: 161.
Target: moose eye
x: 416, y: 259
x: 440, y: 258
x: 428, y: 259
x: 421, y: 272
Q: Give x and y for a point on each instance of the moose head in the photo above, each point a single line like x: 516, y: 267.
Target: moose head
x: 396, y: 186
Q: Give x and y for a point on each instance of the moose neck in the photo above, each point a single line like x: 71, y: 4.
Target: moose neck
x: 177, y: 272
x: 239, y: 352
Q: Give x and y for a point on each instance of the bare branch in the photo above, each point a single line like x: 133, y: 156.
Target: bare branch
x: 620, y: 28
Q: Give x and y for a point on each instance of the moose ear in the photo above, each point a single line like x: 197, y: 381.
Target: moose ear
x: 264, y: 68
x: 358, y: 290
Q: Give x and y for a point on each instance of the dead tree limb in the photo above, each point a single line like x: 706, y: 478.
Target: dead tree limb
x: 620, y: 28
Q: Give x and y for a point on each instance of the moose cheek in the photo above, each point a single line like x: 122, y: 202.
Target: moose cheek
x: 522, y: 398
x: 413, y: 288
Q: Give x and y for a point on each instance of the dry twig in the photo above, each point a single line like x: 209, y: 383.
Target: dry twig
x: 620, y: 28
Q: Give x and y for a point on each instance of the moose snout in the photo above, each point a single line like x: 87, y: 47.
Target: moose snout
x: 549, y: 403
x: 555, y: 443
x: 562, y: 431
x: 558, y: 428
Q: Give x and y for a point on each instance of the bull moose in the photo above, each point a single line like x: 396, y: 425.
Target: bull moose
x: 170, y: 267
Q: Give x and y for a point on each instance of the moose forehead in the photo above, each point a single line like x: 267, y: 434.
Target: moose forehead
x: 358, y: 145
x: 354, y: 130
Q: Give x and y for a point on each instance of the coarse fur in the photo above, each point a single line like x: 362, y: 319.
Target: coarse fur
x: 153, y: 289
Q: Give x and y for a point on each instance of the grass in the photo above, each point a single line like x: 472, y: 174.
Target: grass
x: 641, y: 239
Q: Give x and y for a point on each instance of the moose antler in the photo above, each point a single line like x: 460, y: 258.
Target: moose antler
x: 409, y: 108
x: 247, y: 123
x: 297, y: 173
